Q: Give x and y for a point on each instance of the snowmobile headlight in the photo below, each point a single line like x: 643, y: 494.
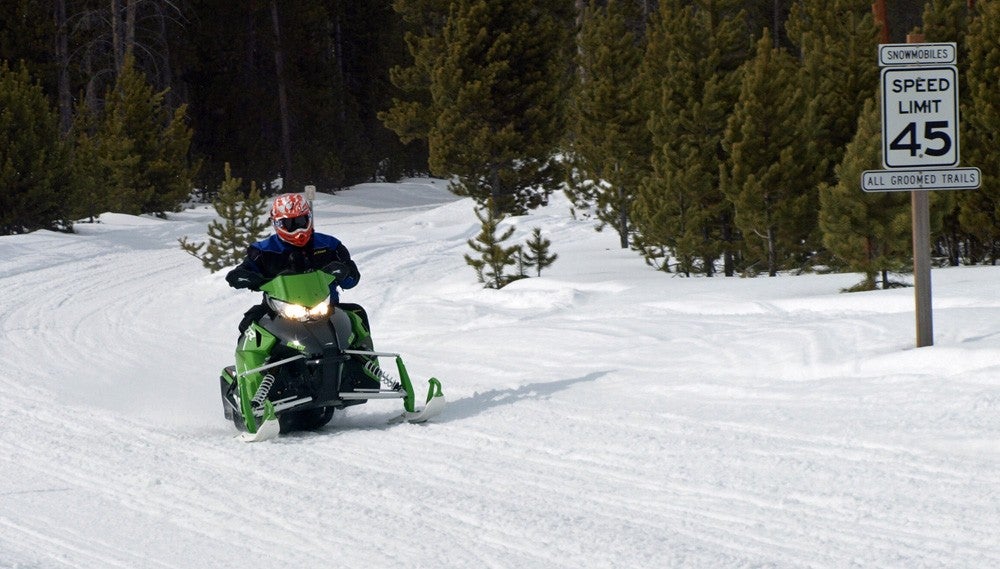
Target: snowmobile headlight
x: 299, y: 312
x: 321, y: 310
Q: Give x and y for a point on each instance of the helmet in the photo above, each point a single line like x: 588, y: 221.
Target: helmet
x: 292, y: 219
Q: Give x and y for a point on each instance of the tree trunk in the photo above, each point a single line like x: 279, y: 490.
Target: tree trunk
x: 174, y: 96
x: 708, y: 258
x: 622, y: 218
x: 772, y: 254
x: 130, y: 6
x: 622, y: 212
x: 90, y: 92
x: 117, y: 35
x: 494, y: 190
x: 341, y: 66
x: 65, y: 98
x: 279, y: 68
x: 776, y: 24
x: 122, y: 30
x: 881, y: 12
x: 728, y: 257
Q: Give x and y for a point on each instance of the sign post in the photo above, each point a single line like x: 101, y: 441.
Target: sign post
x: 310, y: 192
x: 920, y: 147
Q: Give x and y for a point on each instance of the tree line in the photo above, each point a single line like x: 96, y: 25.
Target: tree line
x: 714, y: 136
x: 718, y: 136
x: 283, y: 91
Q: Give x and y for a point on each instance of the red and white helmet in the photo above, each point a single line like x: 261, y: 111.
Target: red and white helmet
x: 292, y: 219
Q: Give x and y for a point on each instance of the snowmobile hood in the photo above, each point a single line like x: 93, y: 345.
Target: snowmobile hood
x: 305, y: 289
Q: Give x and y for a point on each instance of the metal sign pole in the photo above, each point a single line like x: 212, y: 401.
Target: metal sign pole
x: 921, y: 212
x: 920, y: 204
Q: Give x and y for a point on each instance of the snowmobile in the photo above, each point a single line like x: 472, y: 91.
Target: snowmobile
x: 308, y: 358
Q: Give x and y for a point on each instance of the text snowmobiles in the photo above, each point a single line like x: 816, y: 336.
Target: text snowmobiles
x: 307, y: 359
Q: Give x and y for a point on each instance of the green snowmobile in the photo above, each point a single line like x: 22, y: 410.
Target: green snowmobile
x: 307, y: 358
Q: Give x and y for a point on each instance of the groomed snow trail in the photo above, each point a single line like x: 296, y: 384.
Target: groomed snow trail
x: 603, y: 415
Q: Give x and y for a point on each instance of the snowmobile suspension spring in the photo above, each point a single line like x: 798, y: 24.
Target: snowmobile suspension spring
x: 265, y: 386
x: 371, y: 366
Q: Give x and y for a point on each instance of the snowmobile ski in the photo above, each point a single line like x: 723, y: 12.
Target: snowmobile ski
x: 269, y: 428
x: 432, y: 408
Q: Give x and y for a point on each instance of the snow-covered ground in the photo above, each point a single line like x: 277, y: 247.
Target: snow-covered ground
x: 603, y: 415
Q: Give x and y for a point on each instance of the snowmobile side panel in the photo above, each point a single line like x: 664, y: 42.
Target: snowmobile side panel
x: 361, y: 336
x: 253, y: 350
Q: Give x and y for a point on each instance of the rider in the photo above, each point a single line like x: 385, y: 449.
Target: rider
x: 294, y: 248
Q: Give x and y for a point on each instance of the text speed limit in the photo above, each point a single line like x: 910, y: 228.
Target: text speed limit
x: 920, y: 117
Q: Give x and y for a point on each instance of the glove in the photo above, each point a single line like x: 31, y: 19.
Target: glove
x: 337, y: 269
x: 245, y: 278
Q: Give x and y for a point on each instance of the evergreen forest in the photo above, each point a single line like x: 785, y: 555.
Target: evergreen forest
x: 714, y: 137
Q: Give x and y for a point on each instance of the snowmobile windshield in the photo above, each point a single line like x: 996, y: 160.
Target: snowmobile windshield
x: 305, y: 289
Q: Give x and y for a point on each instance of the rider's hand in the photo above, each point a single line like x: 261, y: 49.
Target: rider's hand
x: 337, y: 269
x: 244, y: 278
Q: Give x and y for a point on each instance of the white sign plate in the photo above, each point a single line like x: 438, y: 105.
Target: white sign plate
x: 920, y: 117
x: 908, y: 180
x: 917, y: 54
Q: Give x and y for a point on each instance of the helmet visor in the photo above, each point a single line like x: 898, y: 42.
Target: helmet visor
x: 291, y: 224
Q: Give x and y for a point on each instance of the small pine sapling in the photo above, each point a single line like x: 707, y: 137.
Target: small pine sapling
x: 242, y: 222
x: 493, y: 256
x: 538, y: 255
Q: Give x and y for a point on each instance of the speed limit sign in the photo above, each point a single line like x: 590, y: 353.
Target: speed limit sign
x: 920, y: 116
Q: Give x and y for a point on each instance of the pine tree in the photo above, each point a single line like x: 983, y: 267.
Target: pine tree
x: 33, y: 159
x: 145, y: 151
x: 171, y: 172
x: 867, y: 232
x: 772, y: 155
x: 132, y: 157
x: 980, y: 209
x: 948, y: 21
x: 690, y: 84
x: 499, y: 93
x: 538, y: 254
x: 91, y: 191
x: 242, y: 222
x: 493, y: 257
x: 836, y: 41
x: 411, y: 117
x: 610, y: 142
x: 126, y: 131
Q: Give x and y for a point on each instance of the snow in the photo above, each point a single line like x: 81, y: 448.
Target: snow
x: 602, y: 415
